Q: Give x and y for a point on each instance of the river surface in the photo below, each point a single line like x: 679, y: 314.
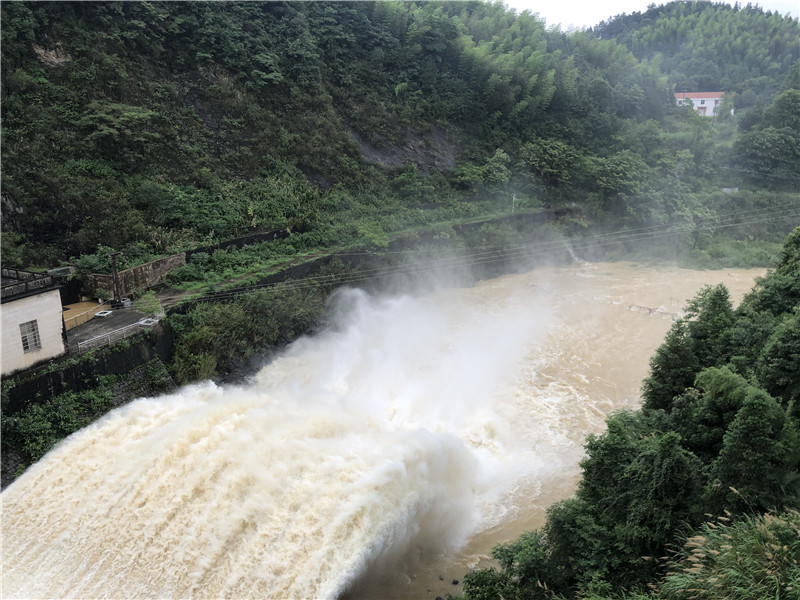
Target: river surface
x: 383, y: 458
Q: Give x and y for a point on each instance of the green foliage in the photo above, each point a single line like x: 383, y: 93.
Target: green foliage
x: 780, y: 360
x: 638, y: 491
x: 552, y: 160
x: 157, y: 376
x: 173, y: 125
x: 119, y: 130
x: 779, y: 292
x: 699, y: 339
x: 663, y: 482
x: 214, y: 336
x: 704, y: 412
x: 373, y: 236
x: 148, y: 304
x: 492, y: 175
x: 520, y: 562
x: 784, y: 112
x: 769, y: 152
x: 751, y: 456
x: 708, y: 46
x: 39, y: 427
x: 15, y: 250
x: 100, y: 260
x: 770, y: 156
x: 710, y: 316
x: 672, y: 368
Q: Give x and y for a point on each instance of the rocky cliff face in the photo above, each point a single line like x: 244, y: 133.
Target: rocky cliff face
x: 434, y: 150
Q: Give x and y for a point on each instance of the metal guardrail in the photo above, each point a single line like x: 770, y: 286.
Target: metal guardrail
x: 109, y: 338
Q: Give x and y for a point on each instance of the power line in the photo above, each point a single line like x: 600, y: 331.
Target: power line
x: 482, y: 258
x: 652, y: 228
x: 498, y: 254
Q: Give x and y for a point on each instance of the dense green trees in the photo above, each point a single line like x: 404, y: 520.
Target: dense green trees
x: 712, y: 46
x: 696, y: 341
x: 780, y: 358
x: 173, y: 124
x: 717, y: 438
x: 770, y: 151
x: 213, y: 337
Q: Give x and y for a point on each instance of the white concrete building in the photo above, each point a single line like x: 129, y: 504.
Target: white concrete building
x: 707, y: 104
x: 31, y: 318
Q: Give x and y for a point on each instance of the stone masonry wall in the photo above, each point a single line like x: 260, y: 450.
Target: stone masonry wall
x: 137, y: 278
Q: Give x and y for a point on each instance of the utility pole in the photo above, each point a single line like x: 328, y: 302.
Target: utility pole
x: 513, y: 202
x: 113, y: 257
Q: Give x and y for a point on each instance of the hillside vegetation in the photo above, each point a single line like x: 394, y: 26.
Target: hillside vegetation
x: 702, y: 46
x: 150, y: 128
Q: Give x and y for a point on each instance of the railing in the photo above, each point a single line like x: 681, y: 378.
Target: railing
x: 109, y: 338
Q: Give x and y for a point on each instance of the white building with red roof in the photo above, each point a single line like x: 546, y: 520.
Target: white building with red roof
x: 707, y: 104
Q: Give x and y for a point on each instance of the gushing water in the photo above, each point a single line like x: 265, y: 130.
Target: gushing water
x: 394, y: 437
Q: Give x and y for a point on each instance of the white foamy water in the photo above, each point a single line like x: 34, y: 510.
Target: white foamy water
x: 370, y: 460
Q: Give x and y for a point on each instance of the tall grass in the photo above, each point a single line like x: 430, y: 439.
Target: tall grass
x: 752, y: 558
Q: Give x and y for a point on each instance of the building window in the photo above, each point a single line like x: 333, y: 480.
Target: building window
x: 30, y: 336
x: 702, y: 101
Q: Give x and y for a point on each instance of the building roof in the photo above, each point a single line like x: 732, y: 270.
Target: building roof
x: 17, y: 283
x: 699, y: 94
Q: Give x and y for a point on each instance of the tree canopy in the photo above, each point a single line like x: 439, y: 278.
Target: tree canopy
x: 163, y: 126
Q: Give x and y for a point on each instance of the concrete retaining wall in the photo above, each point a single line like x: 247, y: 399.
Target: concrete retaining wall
x: 42, y: 384
x: 138, y: 278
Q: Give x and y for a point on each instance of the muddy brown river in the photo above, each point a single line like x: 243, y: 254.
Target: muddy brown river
x: 603, y: 322
x: 383, y: 458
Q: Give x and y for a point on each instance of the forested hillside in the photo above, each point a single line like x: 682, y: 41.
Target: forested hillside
x: 150, y: 128
x: 704, y: 46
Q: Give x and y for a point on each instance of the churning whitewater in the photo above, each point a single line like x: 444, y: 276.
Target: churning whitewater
x: 408, y: 427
